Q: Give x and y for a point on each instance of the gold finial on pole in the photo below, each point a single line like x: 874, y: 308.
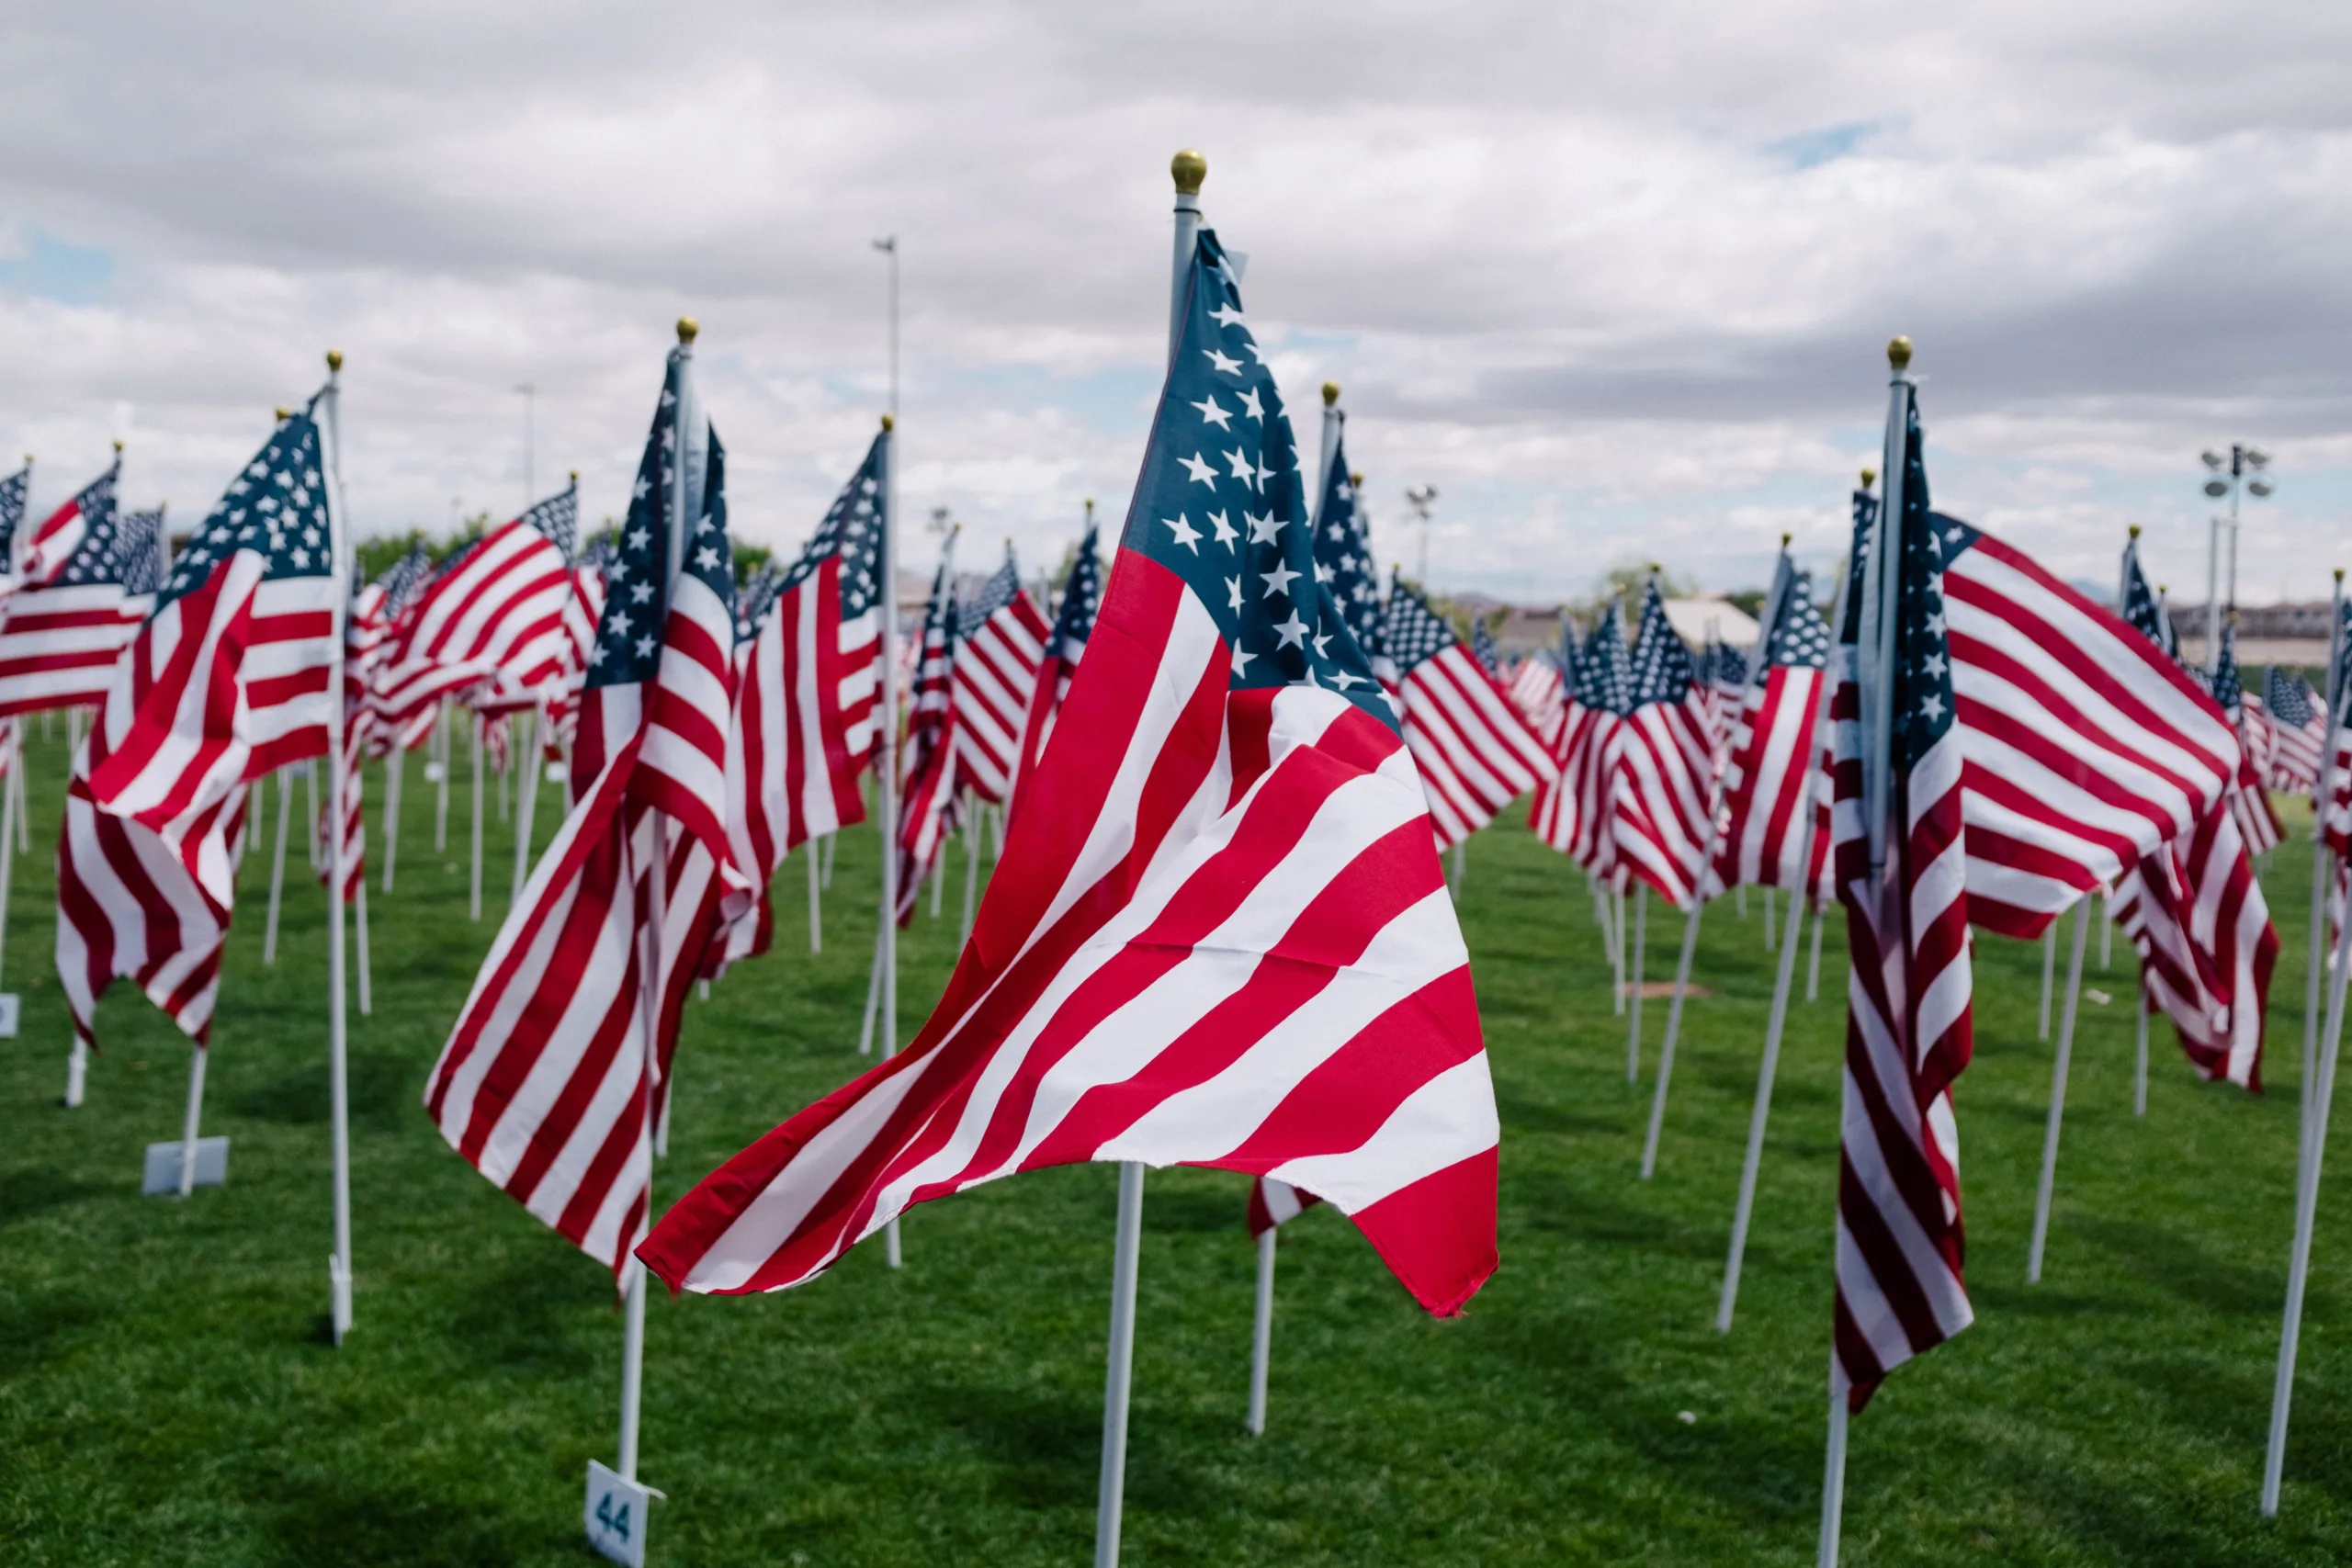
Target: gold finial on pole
x: 888, y: 422
x: 1188, y: 169
x: 1870, y: 477
x: 575, y: 477
x: 1331, y: 393
x: 1785, y: 537
x: 118, y: 448
x: 2339, y: 570
x: 687, y: 328
x: 1898, y: 352
x: 2135, y: 530
x: 1356, y: 479
x: 335, y: 359
x: 284, y: 414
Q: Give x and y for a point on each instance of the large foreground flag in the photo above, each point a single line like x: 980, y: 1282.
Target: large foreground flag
x: 1219, y: 936
x: 1473, y: 751
x: 547, y: 1084
x: 1909, y: 1000
x: 1772, y: 779
x: 1073, y: 624
x: 995, y: 676
x: 1664, y: 766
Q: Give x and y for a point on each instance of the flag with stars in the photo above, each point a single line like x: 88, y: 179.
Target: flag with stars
x: 550, y: 1084
x: 2298, y: 730
x: 2143, y: 610
x: 1003, y: 644
x: 583, y: 609
x: 1475, y: 752
x: 1482, y: 647
x: 57, y: 538
x: 1665, y: 765
x: 1774, y: 774
x: 1065, y: 645
x: 1579, y: 818
x: 1910, y: 1007
x: 15, y: 491
x: 928, y: 784
x: 229, y: 677
x: 60, y: 637
x: 2257, y: 824
x: 1218, y: 936
x: 1343, y: 552
x: 803, y: 723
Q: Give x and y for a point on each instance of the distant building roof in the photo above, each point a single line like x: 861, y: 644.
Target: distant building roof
x: 1697, y: 620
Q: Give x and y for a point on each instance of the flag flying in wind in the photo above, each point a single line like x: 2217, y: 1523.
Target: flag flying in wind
x: 1343, y: 561
x: 812, y: 684
x: 1482, y: 647
x: 1910, y: 1025
x: 1537, y: 689
x: 2143, y: 610
x: 1665, y: 769
x: 1220, y: 936
x: 58, y: 538
x: 1073, y: 624
x: 15, y: 489
x: 548, y: 1082
x: 995, y: 676
x: 2257, y: 824
x: 2298, y: 730
x: 928, y: 784
x: 60, y: 637
x: 1772, y: 780
x: 228, y: 678
x: 1579, y: 818
x: 1473, y: 751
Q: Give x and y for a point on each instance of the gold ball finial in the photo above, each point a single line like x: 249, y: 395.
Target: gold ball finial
x: 118, y: 448
x: 888, y: 423
x: 1331, y: 394
x: 2339, y: 570
x: 1188, y: 169
x: 1356, y: 479
x: 284, y: 414
x: 1784, y: 540
x: 1870, y: 477
x: 335, y: 359
x: 1898, y: 352
x: 687, y: 328
x: 2135, y: 530
x: 575, y: 476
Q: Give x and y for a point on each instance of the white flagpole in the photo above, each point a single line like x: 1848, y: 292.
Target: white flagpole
x: 359, y: 911
x: 440, y: 750
x: 338, y: 1074
x: 2049, y: 976
x: 9, y: 817
x: 194, y: 1116
x: 975, y: 821
x: 523, y: 758
x: 892, y: 1255
x: 1261, y: 1334
x: 1617, y: 946
x: 311, y: 812
x: 395, y: 769
x: 2323, y: 785
x: 874, y: 979
x: 815, y: 912
x: 1777, y: 1021
x: 1188, y: 169
x: 473, y: 898
x: 2317, y: 1099
x: 2139, y: 1052
x: 1833, y: 1471
x: 1633, y: 984
x: 2106, y: 932
x: 2058, y: 1090
x: 826, y: 882
x: 277, y: 863
x: 1813, y: 969
x: 1769, y: 922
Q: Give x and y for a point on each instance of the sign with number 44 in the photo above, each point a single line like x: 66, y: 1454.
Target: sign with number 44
x: 616, y: 1515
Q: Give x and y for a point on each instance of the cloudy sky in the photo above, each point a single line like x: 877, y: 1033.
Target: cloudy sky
x: 1615, y: 280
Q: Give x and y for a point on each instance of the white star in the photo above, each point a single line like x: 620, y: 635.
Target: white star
x: 1342, y: 680
x: 639, y: 538
x: 1934, y: 665
x: 644, y: 646
x: 1233, y: 594
x: 1323, y: 646
x: 1293, y: 632
x: 1226, y: 316
x: 597, y: 654
x: 1213, y: 412
x: 1277, y: 580
x: 1932, y: 705
x: 639, y: 593
x: 621, y: 623
x: 258, y: 468
x: 302, y: 559
x: 1226, y: 535
x: 1186, y: 534
x: 1202, y: 472
x: 1936, y: 624
x: 1242, y: 469
x: 1263, y: 529
x: 1241, y: 662
x: 1218, y: 361
x: 1322, y: 573
x: 706, y: 559
x: 643, y: 484
x: 1251, y: 406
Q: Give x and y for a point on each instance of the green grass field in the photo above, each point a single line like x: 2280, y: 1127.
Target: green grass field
x: 167, y: 1393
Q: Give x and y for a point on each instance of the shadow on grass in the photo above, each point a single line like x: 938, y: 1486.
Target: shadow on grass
x: 522, y: 1319
x: 351, y: 1523
x: 384, y: 1090
x: 24, y: 1193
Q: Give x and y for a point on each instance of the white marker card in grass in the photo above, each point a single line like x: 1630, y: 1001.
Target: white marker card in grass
x: 617, y: 1516
x: 163, y: 1171
x: 8, y: 1015
x: 435, y: 773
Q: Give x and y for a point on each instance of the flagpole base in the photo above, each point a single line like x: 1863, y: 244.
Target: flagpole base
x: 338, y: 1297
x: 77, y: 1072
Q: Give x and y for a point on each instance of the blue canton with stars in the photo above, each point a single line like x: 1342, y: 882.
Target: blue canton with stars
x: 1726, y: 666
x: 276, y: 507
x: 1482, y: 643
x: 14, y: 490
x: 118, y: 547
x: 2344, y: 651
x: 2227, y: 685
x: 1082, y: 599
x: 1343, y: 552
x: 558, y: 518
x: 1660, y: 665
x: 1221, y: 504
x: 997, y: 591
x: 1800, y: 636
x: 2142, y: 610
x: 1922, y: 700
x: 629, y: 638
x: 853, y: 529
x: 1413, y: 633
x: 756, y: 600
x: 2289, y: 698
x: 1603, y: 674
x: 400, y: 585
x: 1850, y: 629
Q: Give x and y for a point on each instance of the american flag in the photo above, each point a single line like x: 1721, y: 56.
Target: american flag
x: 1343, y: 561
x: 1772, y: 780
x: 1538, y: 688
x: 1473, y: 751
x: 1220, y: 936
x: 231, y: 676
x: 928, y: 784
x: 2298, y: 730
x: 14, y: 490
x: 60, y: 637
x: 1580, y: 821
x: 995, y: 675
x: 2143, y: 610
x: 581, y: 612
x: 1902, y: 858
x: 2257, y: 824
x: 1722, y: 688
x: 547, y: 1083
x: 1073, y: 624
x: 488, y: 627
x: 1482, y: 646
x: 1273, y: 1204
x: 1664, y: 771
x: 57, y: 538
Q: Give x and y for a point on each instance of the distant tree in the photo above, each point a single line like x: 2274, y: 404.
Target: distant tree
x: 1747, y: 601
x: 749, y: 559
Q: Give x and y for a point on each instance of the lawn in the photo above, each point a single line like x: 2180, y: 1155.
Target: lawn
x: 167, y: 1393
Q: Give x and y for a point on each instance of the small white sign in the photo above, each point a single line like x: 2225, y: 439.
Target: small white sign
x: 8, y: 1015
x: 162, y: 1173
x: 435, y: 773
x: 558, y: 772
x: 616, y: 1515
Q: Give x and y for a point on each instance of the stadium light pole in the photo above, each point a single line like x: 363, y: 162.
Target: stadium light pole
x: 2244, y: 471
x: 1419, y: 498
x: 886, y: 784
x: 530, y: 410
